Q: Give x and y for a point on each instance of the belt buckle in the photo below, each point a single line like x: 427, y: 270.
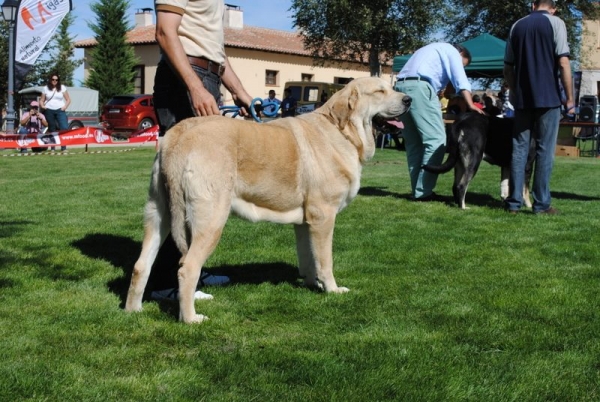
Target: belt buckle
x: 218, y: 70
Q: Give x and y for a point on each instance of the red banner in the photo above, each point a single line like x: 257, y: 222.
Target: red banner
x: 79, y: 136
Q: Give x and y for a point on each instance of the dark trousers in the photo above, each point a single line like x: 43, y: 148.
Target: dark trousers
x: 172, y: 104
x: 171, y: 98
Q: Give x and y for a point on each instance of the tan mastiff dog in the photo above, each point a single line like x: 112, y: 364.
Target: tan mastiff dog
x: 300, y: 170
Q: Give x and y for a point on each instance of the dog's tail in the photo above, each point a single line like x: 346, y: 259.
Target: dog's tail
x: 177, y: 204
x: 451, y: 148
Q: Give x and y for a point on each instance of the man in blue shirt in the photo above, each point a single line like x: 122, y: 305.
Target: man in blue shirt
x: 536, y: 58
x: 271, y: 103
x: 427, y: 72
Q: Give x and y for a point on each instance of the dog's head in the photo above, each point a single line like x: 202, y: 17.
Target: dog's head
x: 360, y: 105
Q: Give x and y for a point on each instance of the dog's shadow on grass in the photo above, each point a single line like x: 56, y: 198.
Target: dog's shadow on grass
x: 122, y: 253
x: 380, y: 192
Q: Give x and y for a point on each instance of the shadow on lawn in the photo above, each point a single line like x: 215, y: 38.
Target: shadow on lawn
x: 380, y: 192
x: 10, y: 228
x: 122, y: 253
x: 570, y: 196
x: 479, y: 199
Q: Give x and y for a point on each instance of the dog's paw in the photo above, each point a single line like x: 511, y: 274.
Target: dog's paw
x: 340, y: 289
x: 192, y: 318
x: 196, y: 319
x: 133, y: 306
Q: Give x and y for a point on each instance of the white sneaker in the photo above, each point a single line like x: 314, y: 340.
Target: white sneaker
x: 172, y: 293
x: 200, y: 295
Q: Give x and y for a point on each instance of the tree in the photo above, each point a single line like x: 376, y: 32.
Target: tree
x: 61, y: 46
x: 113, y: 59
x: 372, y: 32
x: 3, y: 61
x: 496, y: 18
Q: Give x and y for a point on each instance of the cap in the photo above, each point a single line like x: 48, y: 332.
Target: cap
x: 34, y: 104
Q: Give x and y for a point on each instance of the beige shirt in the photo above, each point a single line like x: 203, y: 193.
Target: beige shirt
x: 201, y: 29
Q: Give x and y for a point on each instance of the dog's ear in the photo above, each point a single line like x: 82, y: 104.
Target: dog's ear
x: 343, y: 106
x: 353, y: 99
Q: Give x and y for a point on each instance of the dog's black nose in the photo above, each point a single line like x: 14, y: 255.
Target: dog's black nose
x: 407, y: 100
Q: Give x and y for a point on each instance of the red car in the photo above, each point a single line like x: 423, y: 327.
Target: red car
x: 129, y: 113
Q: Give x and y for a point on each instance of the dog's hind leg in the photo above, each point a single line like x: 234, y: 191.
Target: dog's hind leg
x: 157, y: 224
x: 459, y: 189
x: 463, y: 174
x: 206, y: 218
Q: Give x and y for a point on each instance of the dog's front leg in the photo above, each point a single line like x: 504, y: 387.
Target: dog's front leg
x: 504, y: 181
x: 320, y: 228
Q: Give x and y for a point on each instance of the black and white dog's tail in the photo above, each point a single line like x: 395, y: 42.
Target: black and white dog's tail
x: 453, y: 144
x: 448, y: 165
x: 466, y: 140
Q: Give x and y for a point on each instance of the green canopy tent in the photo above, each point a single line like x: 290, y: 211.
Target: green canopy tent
x: 487, y: 53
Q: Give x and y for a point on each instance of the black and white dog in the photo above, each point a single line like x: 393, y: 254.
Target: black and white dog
x: 474, y: 137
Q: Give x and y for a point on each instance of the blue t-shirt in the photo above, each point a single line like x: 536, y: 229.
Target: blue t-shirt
x: 271, y: 105
x: 535, y: 44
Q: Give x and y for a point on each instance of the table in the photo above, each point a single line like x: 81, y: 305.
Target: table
x: 589, y: 132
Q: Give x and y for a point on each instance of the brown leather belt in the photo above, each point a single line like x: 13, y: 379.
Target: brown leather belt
x: 206, y: 64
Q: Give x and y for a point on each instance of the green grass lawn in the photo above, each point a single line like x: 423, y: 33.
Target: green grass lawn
x: 445, y: 304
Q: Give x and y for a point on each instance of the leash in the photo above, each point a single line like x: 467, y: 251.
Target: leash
x: 258, y: 105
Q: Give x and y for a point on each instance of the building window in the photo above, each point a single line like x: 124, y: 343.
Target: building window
x: 271, y: 77
x: 307, y: 77
x: 342, y: 80
x: 138, y: 80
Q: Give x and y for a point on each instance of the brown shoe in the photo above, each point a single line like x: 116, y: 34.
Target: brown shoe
x: 549, y: 211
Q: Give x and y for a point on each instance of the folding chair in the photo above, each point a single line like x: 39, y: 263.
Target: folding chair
x: 586, y: 134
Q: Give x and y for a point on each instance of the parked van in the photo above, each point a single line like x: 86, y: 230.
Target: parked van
x: 310, y: 95
x: 83, y: 110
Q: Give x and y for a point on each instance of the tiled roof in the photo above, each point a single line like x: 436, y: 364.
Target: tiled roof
x: 249, y: 37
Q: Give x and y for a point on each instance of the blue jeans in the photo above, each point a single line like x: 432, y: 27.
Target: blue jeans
x: 172, y: 101
x: 424, y: 135
x: 57, y: 121
x: 543, y: 125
